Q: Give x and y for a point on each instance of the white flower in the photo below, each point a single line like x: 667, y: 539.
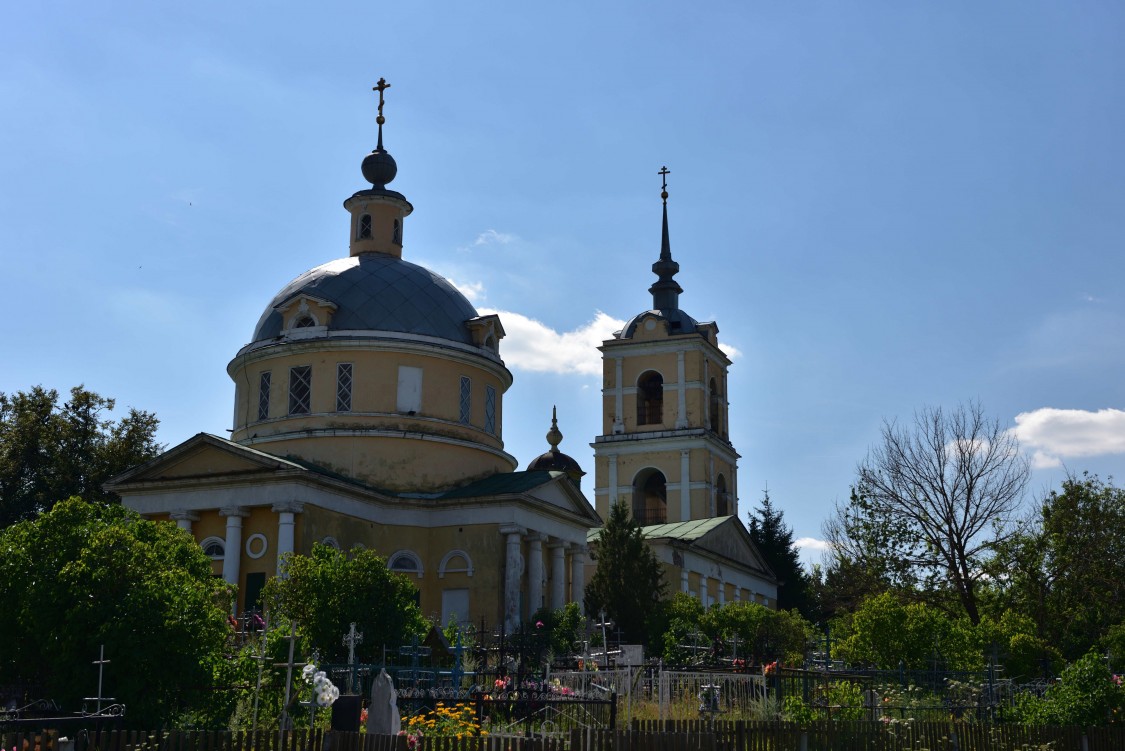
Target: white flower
x: 307, y: 672
x: 319, y: 679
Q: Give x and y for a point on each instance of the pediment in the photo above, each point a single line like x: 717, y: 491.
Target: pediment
x: 207, y: 456
x: 731, y: 540
x: 561, y: 493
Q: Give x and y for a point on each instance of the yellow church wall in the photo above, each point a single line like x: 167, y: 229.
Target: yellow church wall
x: 482, y: 542
x: 210, y: 524
x: 394, y: 463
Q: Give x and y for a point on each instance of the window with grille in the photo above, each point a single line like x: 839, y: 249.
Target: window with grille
x: 364, y: 227
x: 264, y: 396
x: 344, y: 387
x: 300, y: 390
x: 490, y: 409
x: 466, y: 400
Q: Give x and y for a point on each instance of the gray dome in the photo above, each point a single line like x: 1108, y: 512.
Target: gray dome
x: 679, y: 322
x: 375, y: 291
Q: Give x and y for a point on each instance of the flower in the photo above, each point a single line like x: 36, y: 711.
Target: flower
x: 539, y: 624
x: 308, y: 671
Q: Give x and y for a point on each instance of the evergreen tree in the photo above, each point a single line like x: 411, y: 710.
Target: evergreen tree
x: 774, y: 539
x: 628, y: 584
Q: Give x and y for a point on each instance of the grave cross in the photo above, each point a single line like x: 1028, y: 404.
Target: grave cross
x: 101, y: 662
x: 605, y: 643
x: 414, y: 651
x: 351, y: 639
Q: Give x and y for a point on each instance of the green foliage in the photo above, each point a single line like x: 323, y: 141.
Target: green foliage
x: 1067, y: 569
x: 83, y: 575
x: 628, y: 584
x: 886, y: 633
x: 49, y: 451
x: 328, y: 590
x: 1086, y: 694
x: 763, y: 635
x: 562, y: 627
x: 774, y: 540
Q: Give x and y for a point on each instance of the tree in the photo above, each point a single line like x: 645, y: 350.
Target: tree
x: 85, y: 575
x: 329, y: 590
x: 940, y: 496
x: 774, y: 540
x: 628, y: 584
x: 1066, y: 568
x: 50, y: 451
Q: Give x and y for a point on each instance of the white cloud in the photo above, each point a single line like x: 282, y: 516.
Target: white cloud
x: 812, y: 544
x: 1058, y: 434
x: 534, y: 346
x: 492, y: 237
x: 473, y: 291
x: 730, y: 351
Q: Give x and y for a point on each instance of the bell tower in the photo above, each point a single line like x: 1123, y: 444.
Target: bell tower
x: 665, y: 448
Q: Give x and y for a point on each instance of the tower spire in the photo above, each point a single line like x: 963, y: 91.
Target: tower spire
x: 666, y: 290
x: 379, y: 167
x: 380, y: 87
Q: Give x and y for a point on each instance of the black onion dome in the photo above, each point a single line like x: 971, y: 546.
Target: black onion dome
x: 555, y: 461
x: 378, y: 292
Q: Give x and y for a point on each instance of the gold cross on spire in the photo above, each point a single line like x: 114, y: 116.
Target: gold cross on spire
x: 381, y: 87
x: 664, y: 183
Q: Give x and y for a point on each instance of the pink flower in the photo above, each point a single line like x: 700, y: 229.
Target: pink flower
x: 539, y: 624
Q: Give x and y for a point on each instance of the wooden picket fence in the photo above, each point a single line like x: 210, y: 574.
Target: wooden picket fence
x: 655, y: 735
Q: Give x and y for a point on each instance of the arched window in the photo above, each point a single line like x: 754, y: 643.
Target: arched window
x: 364, y: 227
x: 330, y: 542
x: 397, y: 237
x: 214, y: 548
x: 405, y: 562
x: 650, y: 497
x: 304, y: 322
x: 722, y: 497
x: 716, y: 414
x: 650, y: 398
x: 455, y: 562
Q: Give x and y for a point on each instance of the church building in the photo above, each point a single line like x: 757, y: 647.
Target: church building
x: 368, y: 412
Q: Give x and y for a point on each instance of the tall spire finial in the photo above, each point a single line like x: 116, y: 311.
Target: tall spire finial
x: 665, y: 292
x: 554, y: 435
x: 381, y: 87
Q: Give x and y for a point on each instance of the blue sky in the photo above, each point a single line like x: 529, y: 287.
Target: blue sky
x: 883, y: 205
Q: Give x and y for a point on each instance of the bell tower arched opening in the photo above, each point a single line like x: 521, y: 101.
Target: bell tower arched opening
x: 650, y: 398
x: 650, y: 497
x: 714, y: 409
x: 722, y: 497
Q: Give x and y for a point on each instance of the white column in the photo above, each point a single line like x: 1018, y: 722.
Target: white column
x: 612, y: 489
x: 286, y: 521
x: 685, y: 485
x: 703, y: 589
x: 184, y: 519
x: 722, y: 592
x: 711, y: 482
x: 684, y: 585
x: 558, y: 574
x: 681, y: 392
x: 618, y: 398
x: 578, y: 575
x: 535, y: 573
x: 737, y: 593
x: 232, y: 550
x: 512, y: 565
x: 707, y: 393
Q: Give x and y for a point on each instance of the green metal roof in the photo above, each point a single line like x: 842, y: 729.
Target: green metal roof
x: 501, y: 483
x: 686, y: 531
